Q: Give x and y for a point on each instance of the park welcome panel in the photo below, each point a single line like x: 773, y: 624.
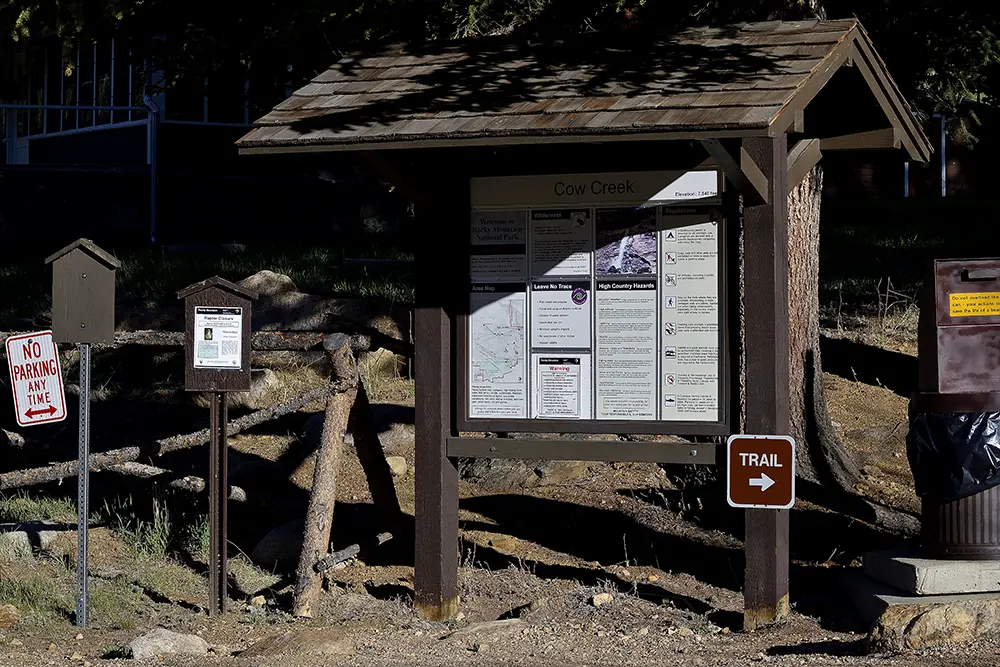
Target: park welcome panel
x: 596, y: 304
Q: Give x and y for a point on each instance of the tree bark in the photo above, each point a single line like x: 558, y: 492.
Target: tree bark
x: 821, y: 458
x: 319, y: 515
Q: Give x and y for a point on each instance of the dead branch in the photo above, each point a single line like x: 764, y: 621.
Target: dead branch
x: 350, y: 552
x: 188, y: 483
x: 34, y: 476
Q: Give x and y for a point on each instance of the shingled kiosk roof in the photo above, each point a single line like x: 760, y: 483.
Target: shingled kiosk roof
x: 742, y: 80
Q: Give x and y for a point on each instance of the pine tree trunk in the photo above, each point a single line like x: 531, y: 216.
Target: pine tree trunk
x: 821, y: 457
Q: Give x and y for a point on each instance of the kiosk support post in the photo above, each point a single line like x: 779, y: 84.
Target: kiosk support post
x: 436, y: 476
x: 765, y: 596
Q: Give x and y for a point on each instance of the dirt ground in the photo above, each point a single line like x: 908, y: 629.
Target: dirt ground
x: 533, y: 560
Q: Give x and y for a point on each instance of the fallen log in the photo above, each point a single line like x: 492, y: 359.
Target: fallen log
x: 186, y: 483
x: 260, y: 341
x: 319, y: 514
x: 34, y: 476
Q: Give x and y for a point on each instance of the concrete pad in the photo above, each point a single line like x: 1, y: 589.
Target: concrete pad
x: 901, y: 621
x: 909, y: 571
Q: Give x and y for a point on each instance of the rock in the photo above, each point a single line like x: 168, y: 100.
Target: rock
x: 279, y: 550
x: 601, y: 598
x: 459, y: 617
x: 281, y: 306
x: 398, y: 465
x: 258, y: 601
x: 52, y: 646
x: 14, y: 545
x: 79, y: 636
x: 16, y: 642
x: 317, y: 641
x: 9, y: 616
x: 513, y: 473
x: 76, y: 656
x: 685, y: 632
x: 161, y: 641
x: 917, y: 626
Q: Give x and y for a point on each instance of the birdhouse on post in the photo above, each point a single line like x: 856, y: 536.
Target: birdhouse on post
x: 217, y: 336
x: 83, y: 293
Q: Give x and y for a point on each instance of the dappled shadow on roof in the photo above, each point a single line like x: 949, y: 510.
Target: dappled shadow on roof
x: 736, y: 76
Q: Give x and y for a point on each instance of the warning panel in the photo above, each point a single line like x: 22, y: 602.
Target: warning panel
x: 36, y: 378
x: 971, y: 304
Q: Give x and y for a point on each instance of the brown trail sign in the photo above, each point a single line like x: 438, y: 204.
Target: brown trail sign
x: 760, y: 471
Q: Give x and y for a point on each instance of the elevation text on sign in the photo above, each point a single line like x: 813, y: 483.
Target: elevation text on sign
x: 36, y: 379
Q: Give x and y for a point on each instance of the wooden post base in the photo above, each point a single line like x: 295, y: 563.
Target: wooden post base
x: 437, y: 612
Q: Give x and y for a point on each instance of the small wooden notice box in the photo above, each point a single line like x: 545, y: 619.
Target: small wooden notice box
x: 217, y: 336
x: 83, y: 294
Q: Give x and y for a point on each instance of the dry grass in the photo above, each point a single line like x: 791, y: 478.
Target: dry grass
x: 41, y: 590
x: 22, y: 507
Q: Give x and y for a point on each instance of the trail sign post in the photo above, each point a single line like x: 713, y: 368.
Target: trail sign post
x: 760, y: 471
x: 36, y: 379
x: 217, y: 360
x: 83, y: 312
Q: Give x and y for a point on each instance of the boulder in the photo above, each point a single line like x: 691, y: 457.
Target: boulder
x: 279, y: 550
x: 917, y: 626
x: 281, y: 306
x: 160, y: 642
x: 9, y: 616
x: 512, y: 474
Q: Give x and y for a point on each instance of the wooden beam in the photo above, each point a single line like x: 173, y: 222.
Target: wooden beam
x: 799, y: 124
x: 801, y: 159
x: 817, y: 80
x: 892, y: 104
x: 765, y: 590
x: 873, y: 139
x: 435, y: 578
x: 740, y: 169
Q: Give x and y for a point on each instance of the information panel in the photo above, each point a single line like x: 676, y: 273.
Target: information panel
x: 596, y: 297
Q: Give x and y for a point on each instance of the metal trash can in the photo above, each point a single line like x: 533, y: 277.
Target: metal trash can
x: 953, y: 444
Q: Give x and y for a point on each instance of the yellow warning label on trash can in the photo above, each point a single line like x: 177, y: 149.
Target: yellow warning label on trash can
x: 971, y: 304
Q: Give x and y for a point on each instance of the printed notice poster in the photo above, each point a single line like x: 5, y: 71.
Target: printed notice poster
x: 626, y: 241
x: 561, y: 243
x: 498, y: 377
x: 561, y: 386
x: 560, y: 314
x: 626, y: 349
x: 218, y: 337
x: 499, y: 246
x: 690, y: 316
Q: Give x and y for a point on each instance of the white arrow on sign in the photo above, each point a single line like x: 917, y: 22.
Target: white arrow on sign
x: 764, y: 482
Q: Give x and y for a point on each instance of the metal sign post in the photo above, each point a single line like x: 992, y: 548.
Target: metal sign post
x: 83, y: 312
x: 217, y: 360
x: 83, y: 488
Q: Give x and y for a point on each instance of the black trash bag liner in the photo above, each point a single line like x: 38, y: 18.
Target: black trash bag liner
x: 954, y: 454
